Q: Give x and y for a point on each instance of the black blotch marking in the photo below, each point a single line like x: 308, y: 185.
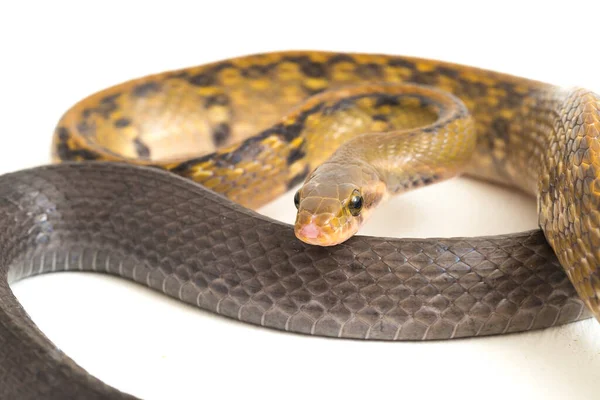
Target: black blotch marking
x: 308, y: 67
x: 508, y: 87
x: 141, y: 149
x: 475, y: 89
x: 398, y: 62
x: 185, y: 166
x: 297, y: 59
x: 425, y: 101
x: 314, y: 69
x: 512, y: 99
x: 341, y: 105
x: 63, y: 133
x: 235, y: 157
x: 409, y: 101
x: 380, y: 117
x: 202, y: 79
x: 298, y: 178
x: 105, y: 108
x: 220, y: 99
x: 220, y: 163
x: 274, y: 130
x: 296, y: 154
x: 122, y: 122
x: 257, y: 71
x: 380, y: 100
x: 111, y: 99
x: 449, y: 72
x: 65, y: 153
x: 108, y: 105
x: 501, y: 127
x: 292, y: 131
x: 221, y: 133
x: 250, y: 149
x: 425, y: 77
x: 430, y: 179
x: 85, y: 128
x: 145, y: 89
x: 386, y: 100
x: 208, y: 77
x: 369, y: 71
x: 215, y: 69
x: 338, y: 58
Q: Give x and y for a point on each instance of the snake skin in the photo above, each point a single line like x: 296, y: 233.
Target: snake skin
x: 176, y: 237
x: 189, y: 242
x: 532, y: 135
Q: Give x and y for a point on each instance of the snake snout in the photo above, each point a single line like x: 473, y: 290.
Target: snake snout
x: 311, y: 231
x: 320, y: 230
x: 314, y: 230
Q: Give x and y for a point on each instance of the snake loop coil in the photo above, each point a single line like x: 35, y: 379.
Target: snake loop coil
x: 352, y: 129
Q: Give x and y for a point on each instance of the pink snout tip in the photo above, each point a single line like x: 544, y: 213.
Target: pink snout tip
x: 310, y: 231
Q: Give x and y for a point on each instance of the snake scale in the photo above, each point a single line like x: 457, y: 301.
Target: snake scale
x: 251, y: 128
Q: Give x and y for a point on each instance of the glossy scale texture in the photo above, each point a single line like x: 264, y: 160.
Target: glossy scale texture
x: 248, y: 128
x: 174, y: 236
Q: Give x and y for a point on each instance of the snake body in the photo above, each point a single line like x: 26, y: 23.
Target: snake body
x: 250, y: 128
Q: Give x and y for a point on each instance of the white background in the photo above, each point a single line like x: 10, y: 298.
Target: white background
x: 54, y: 53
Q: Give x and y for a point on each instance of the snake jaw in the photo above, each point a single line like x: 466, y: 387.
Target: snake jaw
x: 313, y: 233
x: 327, y: 226
x: 331, y: 233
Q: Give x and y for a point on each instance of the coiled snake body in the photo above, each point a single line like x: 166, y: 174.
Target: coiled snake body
x: 253, y: 127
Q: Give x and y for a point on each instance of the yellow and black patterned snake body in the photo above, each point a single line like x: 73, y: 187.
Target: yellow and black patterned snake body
x: 354, y: 128
x: 531, y: 135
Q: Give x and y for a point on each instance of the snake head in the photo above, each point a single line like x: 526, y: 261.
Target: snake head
x: 333, y: 203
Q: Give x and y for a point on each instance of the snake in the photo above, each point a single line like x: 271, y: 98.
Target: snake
x: 158, y: 179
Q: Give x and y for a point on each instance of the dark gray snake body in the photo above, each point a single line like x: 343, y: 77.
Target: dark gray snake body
x: 174, y: 236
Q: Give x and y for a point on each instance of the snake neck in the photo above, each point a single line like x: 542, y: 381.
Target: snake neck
x: 220, y: 124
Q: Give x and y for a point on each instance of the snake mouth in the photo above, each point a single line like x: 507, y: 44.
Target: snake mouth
x: 311, y: 231
x: 313, y: 234
x: 319, y: 233
x: 319, y: 240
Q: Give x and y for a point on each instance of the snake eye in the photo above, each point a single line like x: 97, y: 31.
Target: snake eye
x: 355, y: 204
x: 297, y: 199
